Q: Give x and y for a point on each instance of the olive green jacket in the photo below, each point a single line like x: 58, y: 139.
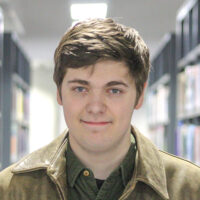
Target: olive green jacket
x: 157, y: 175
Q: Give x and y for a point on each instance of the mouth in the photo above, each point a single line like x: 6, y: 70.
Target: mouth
x: 102, y: 123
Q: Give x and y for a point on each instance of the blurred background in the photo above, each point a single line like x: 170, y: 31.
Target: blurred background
x: 29, y: 33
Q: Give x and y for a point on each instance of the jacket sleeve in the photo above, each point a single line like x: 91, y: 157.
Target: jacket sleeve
x: 183, y: 178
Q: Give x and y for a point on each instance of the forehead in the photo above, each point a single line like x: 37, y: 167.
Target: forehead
x: 102, y: 71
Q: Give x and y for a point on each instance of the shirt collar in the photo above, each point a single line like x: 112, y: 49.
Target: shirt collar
x: 124, y: 170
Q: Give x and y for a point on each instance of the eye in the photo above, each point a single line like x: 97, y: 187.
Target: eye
x: 79, y: 89
x: 115, y: 91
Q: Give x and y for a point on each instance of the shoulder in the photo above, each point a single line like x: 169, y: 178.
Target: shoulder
x: 182, y: 175
x: 177, y: 163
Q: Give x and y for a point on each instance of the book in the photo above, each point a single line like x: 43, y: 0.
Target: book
x: 197, y: 145
x: 190, y: 142
x: 181, y: 87
x: 194, y: 21
x: 158, y: 105
x: 13, y: 143
x: 157, y: 136
x: 197, y: 87
x: 178, y: 149
x: 19, y: 123
x: 190, y: 89
x: 188, y: 94
x: 186, y: 35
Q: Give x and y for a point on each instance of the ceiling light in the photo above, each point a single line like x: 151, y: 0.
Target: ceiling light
x: 85, y: 11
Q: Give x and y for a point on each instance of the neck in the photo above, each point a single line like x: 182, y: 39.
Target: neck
x: 102, y: 164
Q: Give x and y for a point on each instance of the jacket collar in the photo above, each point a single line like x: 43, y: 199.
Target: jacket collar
x: 149, y: 165
x: 50, y: 158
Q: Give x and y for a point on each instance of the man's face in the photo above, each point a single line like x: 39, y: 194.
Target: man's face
x: 98, y: 106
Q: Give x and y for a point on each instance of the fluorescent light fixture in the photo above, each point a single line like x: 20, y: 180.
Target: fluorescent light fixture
x: 85, y: 11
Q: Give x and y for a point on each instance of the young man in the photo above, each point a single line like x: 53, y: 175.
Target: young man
x: 101, y: 72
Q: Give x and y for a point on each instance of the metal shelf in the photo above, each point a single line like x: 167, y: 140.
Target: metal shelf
x: 156, y: 124
x: 18, y: 80
x: 189, y: 115
x: 161, y: 81
x: 22, y: 123
x: 190, y: 58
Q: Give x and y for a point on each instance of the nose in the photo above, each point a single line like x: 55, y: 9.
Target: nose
x: 96, y: 103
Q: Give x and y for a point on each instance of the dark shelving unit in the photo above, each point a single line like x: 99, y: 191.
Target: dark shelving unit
x: 188, y: 67
x: 15, y: 110
x: 176, y: 65
x: 164, y: 74
x: 1, y: 88
x: 188, y: 32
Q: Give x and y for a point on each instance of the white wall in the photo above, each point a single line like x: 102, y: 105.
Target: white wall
x: 44, y: 109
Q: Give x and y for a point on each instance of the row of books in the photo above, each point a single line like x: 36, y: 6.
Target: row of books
x: 157, y: 136
x: 188, y: 97
x: 188, y: 141
x: 20, y: 104
x: 18, y: 142
x: 158, y: 105
x: 189, y: 29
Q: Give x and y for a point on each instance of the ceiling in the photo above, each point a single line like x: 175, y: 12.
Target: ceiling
x: 41, y: 23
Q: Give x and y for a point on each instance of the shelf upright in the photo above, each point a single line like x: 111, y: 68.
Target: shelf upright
x: 7, y: 72
x: 1, y: 87
x: 172, y: 96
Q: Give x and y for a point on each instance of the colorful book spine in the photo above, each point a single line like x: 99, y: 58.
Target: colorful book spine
x: 188, y: 142
x: 197, y: 145
x: 158, y: 106
x: 188, y: 96
x: 19, y: 127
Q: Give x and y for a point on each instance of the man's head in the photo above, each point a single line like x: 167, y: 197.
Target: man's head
x: 99, y: 39
x: 100, y: 70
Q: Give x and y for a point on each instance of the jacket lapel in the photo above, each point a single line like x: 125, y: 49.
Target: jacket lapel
x: 52, y: 158
x: 149, y: 165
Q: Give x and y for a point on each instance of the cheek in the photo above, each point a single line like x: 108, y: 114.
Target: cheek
x: 124, y: 110
x: 72, y: 110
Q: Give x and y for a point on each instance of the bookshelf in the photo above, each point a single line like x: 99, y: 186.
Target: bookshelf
x: 162, y: 95
x: 1, y: 86
x: 15, y: 112
x: 174, y: 87
x: 188, y: 81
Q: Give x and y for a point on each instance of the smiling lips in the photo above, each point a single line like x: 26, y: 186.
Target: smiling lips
x: 95, y: 123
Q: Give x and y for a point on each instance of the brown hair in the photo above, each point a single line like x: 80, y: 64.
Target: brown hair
x: 89, y: 41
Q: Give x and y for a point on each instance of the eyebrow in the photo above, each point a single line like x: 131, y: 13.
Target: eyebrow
x: 111, y: 83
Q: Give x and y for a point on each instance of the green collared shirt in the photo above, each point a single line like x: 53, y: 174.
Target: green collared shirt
x: 82, y: 184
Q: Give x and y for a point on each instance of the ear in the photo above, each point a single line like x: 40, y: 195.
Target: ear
x: 141, y: 98
x: 59, y: 100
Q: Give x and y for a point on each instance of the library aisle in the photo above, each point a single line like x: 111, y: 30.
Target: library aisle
x: 30, y: 116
